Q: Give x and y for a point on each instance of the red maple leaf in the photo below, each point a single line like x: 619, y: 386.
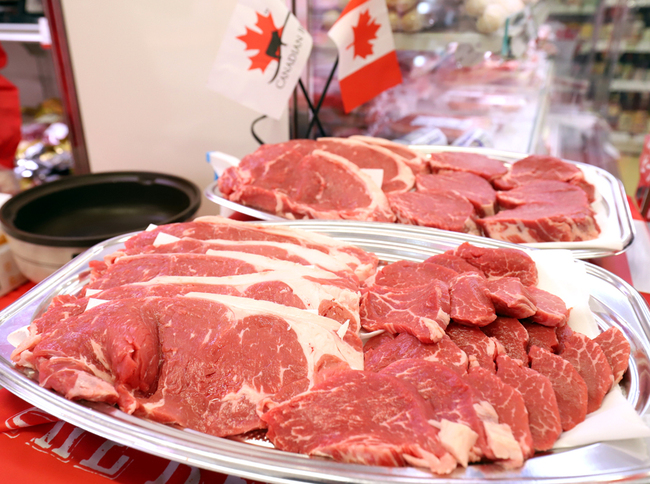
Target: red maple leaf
x: 364, y: 32
x: 267, y: 42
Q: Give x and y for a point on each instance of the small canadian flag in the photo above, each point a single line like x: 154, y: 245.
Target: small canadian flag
x: 367, y: 60
x: 261, y: 57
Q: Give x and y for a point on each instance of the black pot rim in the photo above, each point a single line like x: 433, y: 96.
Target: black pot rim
x: 10, y: 209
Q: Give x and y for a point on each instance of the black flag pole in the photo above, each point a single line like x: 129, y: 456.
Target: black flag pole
x: 312, y: 109
x: 315, y: 111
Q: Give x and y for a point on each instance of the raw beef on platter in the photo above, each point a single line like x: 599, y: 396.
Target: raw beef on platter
x: 502, y: 262
x: 475, y: 189
x: 512, y: 335
x: 454, y: 262
x: 363, y: 263
x: 551, y: 310
x: 590, y: 362
x: 213, y: 341
x: 402, y: 274
x: 511, y: 298
x: 616, y: 349
x: 414, y: 160
x: 541, y: 167
x: 280, y: 287
x: 397, y: 176
x: 361, y: 417
x: 508, y: 403
x: 470, y: 300
x: 539, y: 397
x: 274, y: 250
x: 480, y: 165
x: 569, y: 387
x: 143, y: 268
x: 317, y: 185
x: 470, y: 428
x: 422, y: 311
x: 446, y: 211
x: 481, y: 349
x: 543, y: 211
x: 386, y: 348
x: 543, y: 336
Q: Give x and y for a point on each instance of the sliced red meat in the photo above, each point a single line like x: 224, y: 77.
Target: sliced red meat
x: 542, y: 336
x: 361, y: 417
x: 545, y: 211
x: 480, y: 165
x: 475, y: 189
x: 140, y: 353
x: 588, y: 359
x: 539, y: 397
x: 551, y: 310
x: 507, y: 402
x: 453, y: 400
x: 470, y: 300
x: 446, y: 211
x: 384, y: 349
x: 414, y: 160
x: 480, y: 349
x: 543, y: 167
x: 397, y: 176
x: 511, y: 298
x: 512, y: 335
x: 403, y: 273
x: 500, y: 262
x: 569, y: 387
x: 616, y: 349
x: 219, y: 228
x: 317, y: 185
x: 422, y: 311
x: 454, y: 262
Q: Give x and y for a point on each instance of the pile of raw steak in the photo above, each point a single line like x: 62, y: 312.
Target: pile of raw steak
x: 537, y: 199
x: 227, y: 327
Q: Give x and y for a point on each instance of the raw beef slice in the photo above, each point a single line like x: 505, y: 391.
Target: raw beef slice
x: 474, y: 188
x: 569, y: 387
x: 470, y: 300
x: 539, y: 397
x: 542, y: 211
x: 500, y: 262
x: 397, y: 176
x: 363, y: 263
x: 402, y: 274
x: 588, y: 359
x: 446, y: 211
x: 318, y: 185
x: 422, y: 311
x: 204, y: 361
x: 541, y: 167
x: 454, y: 262
x: 507, y: 402
x: 511, y: 298
x: 361, y: 417
x: 414, y: 160
x: 616, y: 349
x: 512, y: 335
x: 480, y: 349
x: 542, y: 336
x: 551, y: 310
x: 480, y: 165
x: 453, y: 401
x: 384, y: 349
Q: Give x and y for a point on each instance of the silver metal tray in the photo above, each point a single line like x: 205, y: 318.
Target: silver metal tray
x: 612, y: 208
x: 613, y: 303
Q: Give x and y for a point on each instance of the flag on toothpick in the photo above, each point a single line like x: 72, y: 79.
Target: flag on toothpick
x: 261, y: 57
x: 367, y: 60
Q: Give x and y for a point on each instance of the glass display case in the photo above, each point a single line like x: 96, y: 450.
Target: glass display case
x: 464, y: 83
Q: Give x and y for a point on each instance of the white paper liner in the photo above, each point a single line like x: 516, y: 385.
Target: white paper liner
x: 616, y: 419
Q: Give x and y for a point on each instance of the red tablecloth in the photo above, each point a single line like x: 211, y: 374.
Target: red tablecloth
x: 35, y: 447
